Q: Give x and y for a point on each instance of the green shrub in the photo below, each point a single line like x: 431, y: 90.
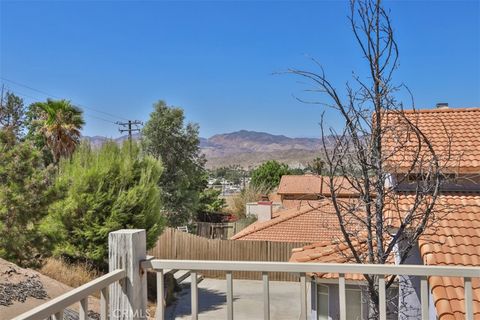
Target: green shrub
x: 25, y: 194
x: 104, y: 190
x: 268, y: 174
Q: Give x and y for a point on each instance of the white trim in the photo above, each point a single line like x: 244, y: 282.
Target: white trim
x: 328, y: 299
x: 59, y: 303
x: 361, y: 299
x: 293, y: 267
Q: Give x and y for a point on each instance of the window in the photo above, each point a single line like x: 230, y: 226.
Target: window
x: 322, y: 302
x: 354, y: 304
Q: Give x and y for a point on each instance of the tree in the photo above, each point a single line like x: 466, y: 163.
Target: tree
x: 268, y: 175
x: 378, y: 141
x: 59, y: 123
x: 211, y: 202
x: 103, y: 190
x: 12, y: 113
x: 233, y: 173
x: 166, y: 137
x: 25, y: 194
x: 316, y: 166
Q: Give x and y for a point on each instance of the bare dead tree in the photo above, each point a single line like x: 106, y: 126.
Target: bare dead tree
x: 379, y: 147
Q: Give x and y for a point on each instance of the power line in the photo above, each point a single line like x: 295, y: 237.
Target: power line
x: 57, y: 97
x: 129, y: 125
x: 37, y: 98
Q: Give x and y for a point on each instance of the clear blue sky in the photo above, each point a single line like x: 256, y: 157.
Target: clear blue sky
x: 216, y: 59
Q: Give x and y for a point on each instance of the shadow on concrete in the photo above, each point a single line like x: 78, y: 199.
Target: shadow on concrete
x: 208, y: 300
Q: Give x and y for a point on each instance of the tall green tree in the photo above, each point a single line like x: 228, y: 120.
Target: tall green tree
x: 12, y: 113
x: 167, y: 137
x: 58, y: 123
x: 211, y: 201
x: 104, y: 190
x: 268, y: 174
x: 25, y: 194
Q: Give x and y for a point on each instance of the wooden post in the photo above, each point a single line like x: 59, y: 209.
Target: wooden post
x: 128, y: 297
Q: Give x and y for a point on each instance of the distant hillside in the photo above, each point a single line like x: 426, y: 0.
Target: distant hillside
x: 248, y: 148
x: 97, y: 141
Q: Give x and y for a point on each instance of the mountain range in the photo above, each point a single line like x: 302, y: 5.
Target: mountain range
x: 247, y: 148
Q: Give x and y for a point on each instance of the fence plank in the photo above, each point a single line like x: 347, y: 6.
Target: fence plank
x: 179, y: 245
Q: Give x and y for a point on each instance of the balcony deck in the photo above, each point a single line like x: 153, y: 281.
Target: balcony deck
x: 123, y: 290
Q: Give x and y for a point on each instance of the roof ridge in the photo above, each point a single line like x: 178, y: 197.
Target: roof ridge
x: 464, y: 109
x: 269, y: 223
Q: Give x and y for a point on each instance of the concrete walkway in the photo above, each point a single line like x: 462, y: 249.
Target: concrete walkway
x: 247, y: 297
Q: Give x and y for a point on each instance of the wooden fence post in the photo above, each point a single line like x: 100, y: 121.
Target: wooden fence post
x: 128, y: 297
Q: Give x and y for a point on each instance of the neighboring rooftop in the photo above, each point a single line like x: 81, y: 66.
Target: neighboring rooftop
x: 310, y: 184
x: 313, y: 221
x: 454, y: 134
x: 453, y: 239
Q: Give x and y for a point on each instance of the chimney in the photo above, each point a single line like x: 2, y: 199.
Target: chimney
x: 442, y: 105
x: 263, y: 210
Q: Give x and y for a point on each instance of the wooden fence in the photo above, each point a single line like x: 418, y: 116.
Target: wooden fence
x: 222, y: 231
x: 174, y: 244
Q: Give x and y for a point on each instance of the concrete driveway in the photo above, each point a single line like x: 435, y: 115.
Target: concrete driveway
x: 247, y: 300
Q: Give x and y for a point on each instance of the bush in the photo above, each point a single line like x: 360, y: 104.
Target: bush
x: 268, y: 174
x: 104, y: 190
x: 25, y: 194
x: 252, y: 193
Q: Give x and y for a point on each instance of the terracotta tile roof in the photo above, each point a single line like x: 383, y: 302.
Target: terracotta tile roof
x: 456, y: 129
x: 313, y: 221
x: 313, y: 185
x: 289, y: 204
x: 328, y: 252
x: 453, y: 239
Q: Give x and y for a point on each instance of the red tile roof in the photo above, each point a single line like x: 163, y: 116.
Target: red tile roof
x: 454, y: 134
x: 328, y: 252
x: 313, y: 221
x: 313, y: 185
x: 453, y: 239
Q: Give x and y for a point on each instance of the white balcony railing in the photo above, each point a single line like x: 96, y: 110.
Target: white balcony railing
x: 127, y: 298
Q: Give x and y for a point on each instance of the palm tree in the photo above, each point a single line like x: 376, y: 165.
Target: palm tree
x: 60, y: 124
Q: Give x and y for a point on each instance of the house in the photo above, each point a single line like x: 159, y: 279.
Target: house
x: 453, y: 239
x: 295, y: 189
x: 312, y: 221
x: 302, y: 211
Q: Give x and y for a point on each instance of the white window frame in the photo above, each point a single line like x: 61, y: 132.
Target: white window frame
x: 361, y: 298
x: 323, y: 294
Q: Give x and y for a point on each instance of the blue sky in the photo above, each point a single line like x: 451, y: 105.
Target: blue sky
x: 217, y: 59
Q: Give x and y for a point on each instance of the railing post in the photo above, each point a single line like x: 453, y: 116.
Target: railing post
x: 128, y: 297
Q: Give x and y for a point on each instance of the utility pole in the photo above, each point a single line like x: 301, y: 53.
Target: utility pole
x: 129, y: 125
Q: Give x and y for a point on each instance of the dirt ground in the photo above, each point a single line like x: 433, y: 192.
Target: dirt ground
x: 16, y: 282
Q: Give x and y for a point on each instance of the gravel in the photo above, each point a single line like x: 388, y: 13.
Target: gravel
x: 20, y: 291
